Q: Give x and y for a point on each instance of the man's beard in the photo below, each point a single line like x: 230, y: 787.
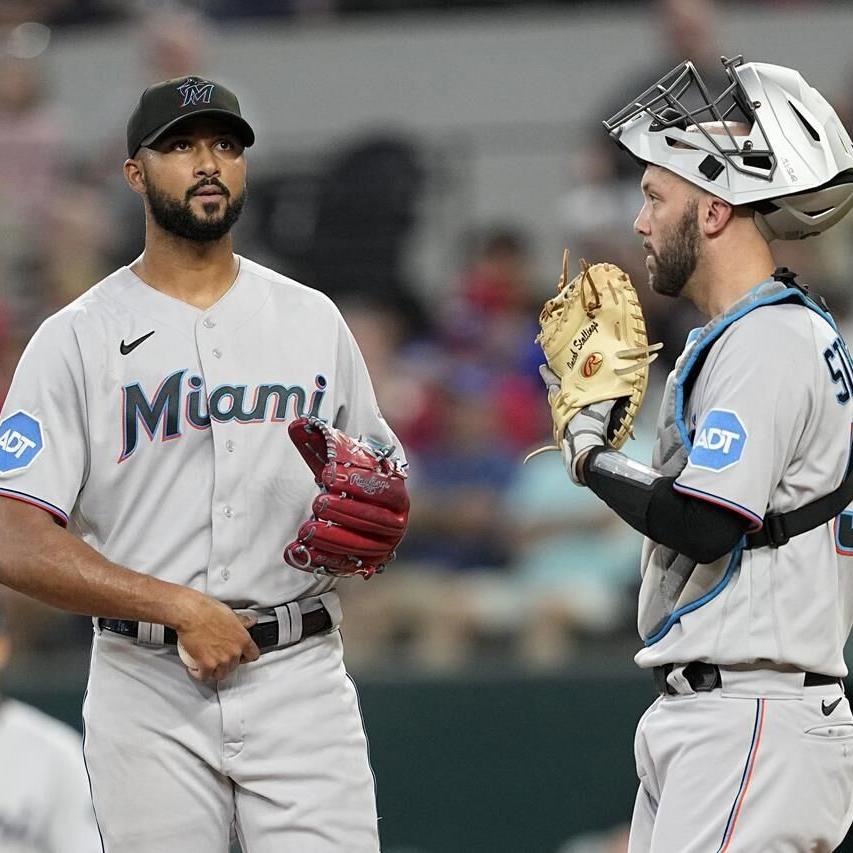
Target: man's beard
x: 676, y: 262
x: 178, y: 218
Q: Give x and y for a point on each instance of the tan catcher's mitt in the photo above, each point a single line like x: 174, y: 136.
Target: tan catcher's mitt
x: 594, y: 339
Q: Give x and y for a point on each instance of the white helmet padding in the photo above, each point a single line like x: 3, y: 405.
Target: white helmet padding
x: 795, y: 166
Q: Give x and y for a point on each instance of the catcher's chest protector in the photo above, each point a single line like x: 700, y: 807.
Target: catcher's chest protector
x: 673, y: 584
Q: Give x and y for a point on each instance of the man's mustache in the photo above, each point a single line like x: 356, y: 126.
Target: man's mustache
x: 208, y: 182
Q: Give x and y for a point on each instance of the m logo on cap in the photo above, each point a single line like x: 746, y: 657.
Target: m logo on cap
x: 196, y: 92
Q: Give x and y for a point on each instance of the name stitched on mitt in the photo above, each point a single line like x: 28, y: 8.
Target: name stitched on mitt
x: 578, y: 343
x: 601, y: 303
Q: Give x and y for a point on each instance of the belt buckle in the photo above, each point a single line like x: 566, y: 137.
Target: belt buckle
x: 699, y: 677
x: 703, y: 677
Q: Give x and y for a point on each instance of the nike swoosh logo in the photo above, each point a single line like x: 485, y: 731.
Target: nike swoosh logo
x: 128, y: 348
x: 828, y: 709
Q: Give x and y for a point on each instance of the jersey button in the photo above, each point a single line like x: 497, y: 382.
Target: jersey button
x: 229, y: 446
x: 228, y: 512
x: 217, y: 353
x: 208, y: 322
x: 225, y: 574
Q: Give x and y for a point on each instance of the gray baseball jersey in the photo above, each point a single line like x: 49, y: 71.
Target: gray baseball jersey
x: 766, y: 423
x: 756, y: 418
x: 44, y: 794
x: 158, y: 432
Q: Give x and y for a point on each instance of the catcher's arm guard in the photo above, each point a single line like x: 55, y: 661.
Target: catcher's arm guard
x: 362, y: 510
x: 593, y: 336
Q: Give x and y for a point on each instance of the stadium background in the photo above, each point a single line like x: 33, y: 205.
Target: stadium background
x: 423, y: 163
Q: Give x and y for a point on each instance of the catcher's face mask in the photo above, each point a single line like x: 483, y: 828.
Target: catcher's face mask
x: 794, y: 166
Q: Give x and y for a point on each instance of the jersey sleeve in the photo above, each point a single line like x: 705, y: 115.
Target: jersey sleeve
x: 357, y: 411
x: 43, y: 437
x: 751, y: 399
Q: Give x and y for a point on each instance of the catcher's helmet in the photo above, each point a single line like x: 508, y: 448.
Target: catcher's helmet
x: 795, y: 166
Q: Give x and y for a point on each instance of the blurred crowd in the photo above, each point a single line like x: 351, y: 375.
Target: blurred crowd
x: 88, y: 12
x: 504, y: 563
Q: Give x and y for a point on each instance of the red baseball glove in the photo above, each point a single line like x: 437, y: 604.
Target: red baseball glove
x: 361, y: 512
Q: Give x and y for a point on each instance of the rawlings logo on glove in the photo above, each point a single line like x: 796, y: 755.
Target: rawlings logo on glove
x: 361, y: 513
x: 594, y: 339
x: 369, y: 485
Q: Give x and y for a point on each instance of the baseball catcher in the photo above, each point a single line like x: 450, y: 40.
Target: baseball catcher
x: 593, y: 336
x: 745, y: 601
x: 360, y: 515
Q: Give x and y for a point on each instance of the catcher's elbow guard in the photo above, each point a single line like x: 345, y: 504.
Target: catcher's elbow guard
x: 617, y: 466
x: 649, y: 503
x: 626, y: 486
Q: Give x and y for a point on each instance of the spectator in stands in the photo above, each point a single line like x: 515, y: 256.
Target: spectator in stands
x: 488, y: 322
x: 366, y: 212
x: 31, y: 138
x: 456, y: 521
x: 573, y: 567
x: 174, y: 42
x: 457, y: 543
x: 405, y: 373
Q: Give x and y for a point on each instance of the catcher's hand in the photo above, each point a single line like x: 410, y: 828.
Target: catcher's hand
x: 361, y: 512
x: 594, y: 339
x: 586, y: 430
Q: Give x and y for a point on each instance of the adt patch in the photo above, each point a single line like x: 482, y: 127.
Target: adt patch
x: 21, y: 441
x: 720, y: 442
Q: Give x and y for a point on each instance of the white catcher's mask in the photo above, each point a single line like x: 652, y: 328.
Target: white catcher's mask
x: 795, y: 167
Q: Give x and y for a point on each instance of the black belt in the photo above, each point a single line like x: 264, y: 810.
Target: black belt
x: 703, y: 677
x: 265, y: 634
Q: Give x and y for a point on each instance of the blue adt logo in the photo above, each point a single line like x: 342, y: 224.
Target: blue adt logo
x: 20, y: 442
x: 720, y: 442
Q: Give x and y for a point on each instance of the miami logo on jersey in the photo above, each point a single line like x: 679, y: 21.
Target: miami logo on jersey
x: 177, y: 401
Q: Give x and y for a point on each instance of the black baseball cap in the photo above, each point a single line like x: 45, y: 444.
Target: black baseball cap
x: 163, y: 105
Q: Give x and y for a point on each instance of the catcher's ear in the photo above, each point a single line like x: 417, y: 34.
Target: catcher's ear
x: 714, y: 215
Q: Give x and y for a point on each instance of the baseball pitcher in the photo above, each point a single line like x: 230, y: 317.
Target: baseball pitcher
x: 747, y: 587
x: 180, y: 457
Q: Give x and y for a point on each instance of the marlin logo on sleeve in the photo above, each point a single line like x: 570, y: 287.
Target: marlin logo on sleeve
x: 180, y: 401
x: 21, y: 440
x: 720, y: 442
